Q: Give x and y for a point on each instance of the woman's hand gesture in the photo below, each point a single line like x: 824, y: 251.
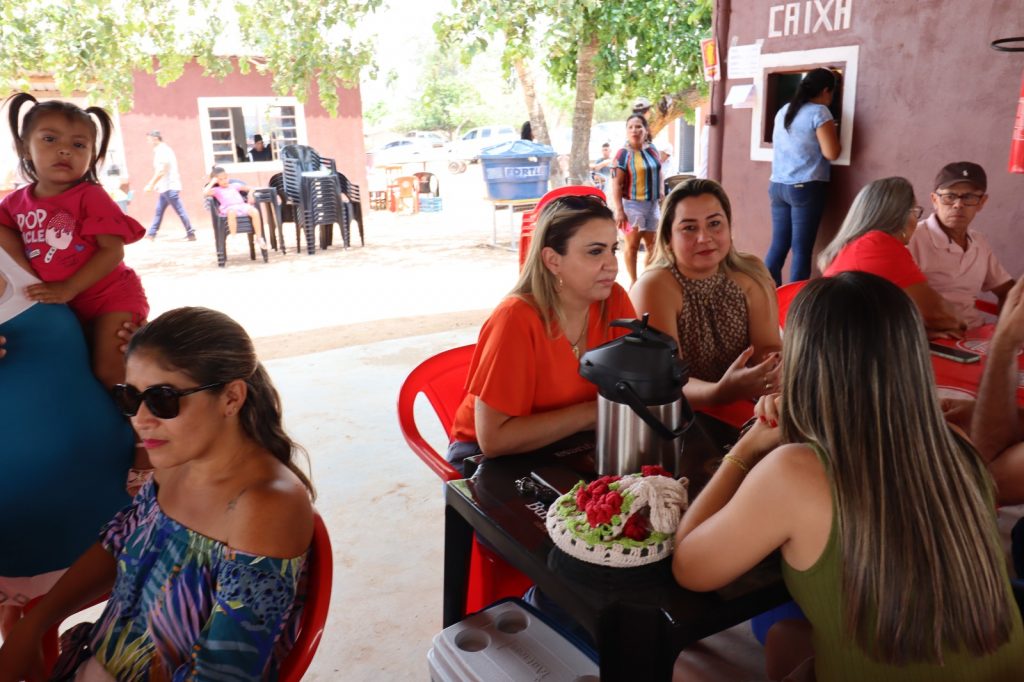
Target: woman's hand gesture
x: 764, y: 435
x: 741, y: 381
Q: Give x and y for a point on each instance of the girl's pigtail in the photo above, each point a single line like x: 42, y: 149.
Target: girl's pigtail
x: 103, y: 141
x: 14, y: 104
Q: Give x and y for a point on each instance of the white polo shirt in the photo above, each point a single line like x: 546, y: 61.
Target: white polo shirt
x: 163, y: 157
x: 957, y: 274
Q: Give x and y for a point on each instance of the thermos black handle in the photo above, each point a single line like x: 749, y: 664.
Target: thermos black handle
x: 629, y: 397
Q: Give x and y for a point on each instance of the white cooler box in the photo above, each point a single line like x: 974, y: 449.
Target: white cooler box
x: 508, y: 641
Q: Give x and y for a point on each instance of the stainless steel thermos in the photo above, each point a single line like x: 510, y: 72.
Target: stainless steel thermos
x: 641, y: 412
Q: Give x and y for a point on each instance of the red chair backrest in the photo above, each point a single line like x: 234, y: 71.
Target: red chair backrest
x: 318, y: 602
x: 442, y: 379
x: 530, y: 217
x: 785, y: 295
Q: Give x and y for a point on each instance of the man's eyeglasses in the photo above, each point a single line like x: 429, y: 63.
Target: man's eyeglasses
x: 163, y: 402
x: 917, y: 212
x: 968, y: 199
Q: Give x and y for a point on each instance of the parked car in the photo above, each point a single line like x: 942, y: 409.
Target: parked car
x: 405, y: 150
x: 469, y: 145
x: 435, y: 139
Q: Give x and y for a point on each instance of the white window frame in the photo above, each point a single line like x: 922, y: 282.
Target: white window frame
x: 771, y: 62
x: 207, y: 103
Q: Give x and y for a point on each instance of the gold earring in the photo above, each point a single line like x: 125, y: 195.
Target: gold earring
x: 560, y: 283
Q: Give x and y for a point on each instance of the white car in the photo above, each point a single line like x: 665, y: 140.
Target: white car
x: 469, y: 145
x: 405, y: 150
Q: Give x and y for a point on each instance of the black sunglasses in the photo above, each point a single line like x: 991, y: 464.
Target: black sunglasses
x: 163, y: 402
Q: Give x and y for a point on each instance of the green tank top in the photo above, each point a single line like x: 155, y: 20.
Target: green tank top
x: 837, y: 658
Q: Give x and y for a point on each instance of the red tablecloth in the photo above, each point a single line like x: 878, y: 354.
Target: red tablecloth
x: 956, y: 379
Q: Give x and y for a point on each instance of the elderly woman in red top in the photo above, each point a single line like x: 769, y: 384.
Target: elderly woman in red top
x: 873, y: 238
x: 524, y: 386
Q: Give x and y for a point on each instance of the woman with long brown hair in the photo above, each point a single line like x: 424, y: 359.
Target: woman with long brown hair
x: 718, y: 303
x: 884, y: 515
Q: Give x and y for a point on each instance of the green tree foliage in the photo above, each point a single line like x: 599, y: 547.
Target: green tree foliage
x: 447, y: 100
x: 631, y: 48
x: 96, y: 46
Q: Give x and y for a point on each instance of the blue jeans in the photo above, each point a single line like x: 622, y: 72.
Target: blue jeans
x: 796, y: 212
x: 170, y: 197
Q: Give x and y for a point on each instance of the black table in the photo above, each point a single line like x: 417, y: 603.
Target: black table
x: 639, y: 617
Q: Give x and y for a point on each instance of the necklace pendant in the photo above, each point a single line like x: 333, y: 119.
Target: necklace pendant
x: 576, y: 351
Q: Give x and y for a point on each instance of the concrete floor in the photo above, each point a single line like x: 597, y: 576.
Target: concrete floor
x: 339, y: 331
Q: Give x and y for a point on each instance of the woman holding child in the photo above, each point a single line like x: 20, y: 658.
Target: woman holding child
x: 204, y: 567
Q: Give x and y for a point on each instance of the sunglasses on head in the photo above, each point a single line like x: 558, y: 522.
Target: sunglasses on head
x: 163, y: 401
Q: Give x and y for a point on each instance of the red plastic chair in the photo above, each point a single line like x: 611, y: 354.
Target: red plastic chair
x: 442, y: 379
x: 785, y: 295
x: 530, y: 217
x: 311, y: 622
x: 318, y: 601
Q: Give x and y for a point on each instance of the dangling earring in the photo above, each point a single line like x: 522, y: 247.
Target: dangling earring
x: 560, y: 284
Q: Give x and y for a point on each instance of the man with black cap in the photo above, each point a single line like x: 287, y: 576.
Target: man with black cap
x: 167, y: 182
x: 259, y: 151
x: 957, y: 260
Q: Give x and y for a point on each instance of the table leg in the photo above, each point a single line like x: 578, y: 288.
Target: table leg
x: 494, y: 224
x: 458, y: 543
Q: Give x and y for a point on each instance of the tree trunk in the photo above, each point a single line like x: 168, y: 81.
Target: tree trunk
x: 671, y: 107
x: 538, y: 122
x: 583, y: 116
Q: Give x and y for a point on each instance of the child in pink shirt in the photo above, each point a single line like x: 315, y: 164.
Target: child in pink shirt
x: 71, y: 232
x: 232, y: 204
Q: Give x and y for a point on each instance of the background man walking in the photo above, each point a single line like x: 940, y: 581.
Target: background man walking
x: 167, y: 182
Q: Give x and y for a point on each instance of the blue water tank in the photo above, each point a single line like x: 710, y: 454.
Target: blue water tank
x: 517, y: 169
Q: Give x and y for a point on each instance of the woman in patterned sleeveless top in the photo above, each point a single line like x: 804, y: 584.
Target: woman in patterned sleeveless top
x: 718, y: 303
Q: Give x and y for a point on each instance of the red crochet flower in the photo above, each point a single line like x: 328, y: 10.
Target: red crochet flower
x: 655, y: 470
x: 636, y: 527
x: 594, y: 489
x: 601, y: 508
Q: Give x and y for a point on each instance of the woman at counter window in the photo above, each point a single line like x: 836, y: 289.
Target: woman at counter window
x: 804, y: 141
x: 524, y: 387
x: 718, y: 304
x: 873, y: 238
x: 884, y: 515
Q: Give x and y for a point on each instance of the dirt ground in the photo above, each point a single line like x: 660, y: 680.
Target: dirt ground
x: 417, y: 274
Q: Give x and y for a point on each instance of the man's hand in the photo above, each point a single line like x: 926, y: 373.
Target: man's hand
x: 1010, y: 327
x: 2, y: 342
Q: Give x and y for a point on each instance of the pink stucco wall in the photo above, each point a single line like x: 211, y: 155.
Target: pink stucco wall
x: 930, y: 91
x: 174, y: 111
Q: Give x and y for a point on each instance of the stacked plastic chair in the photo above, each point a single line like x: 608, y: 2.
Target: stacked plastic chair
x: 354, y: 206
x: 311, y: 183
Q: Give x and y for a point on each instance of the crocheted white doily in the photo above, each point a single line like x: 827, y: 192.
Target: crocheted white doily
x: 616, y: 511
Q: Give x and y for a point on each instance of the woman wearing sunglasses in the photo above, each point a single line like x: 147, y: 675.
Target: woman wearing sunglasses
x: 65, y: 449
x: 873, y: 238
x: 203, y: 567
x: 524, y: 387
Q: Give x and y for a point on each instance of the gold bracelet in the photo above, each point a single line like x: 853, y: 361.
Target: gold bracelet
x: 738, y: 462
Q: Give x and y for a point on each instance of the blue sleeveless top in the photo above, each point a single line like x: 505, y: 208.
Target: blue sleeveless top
x: 66, y: 449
